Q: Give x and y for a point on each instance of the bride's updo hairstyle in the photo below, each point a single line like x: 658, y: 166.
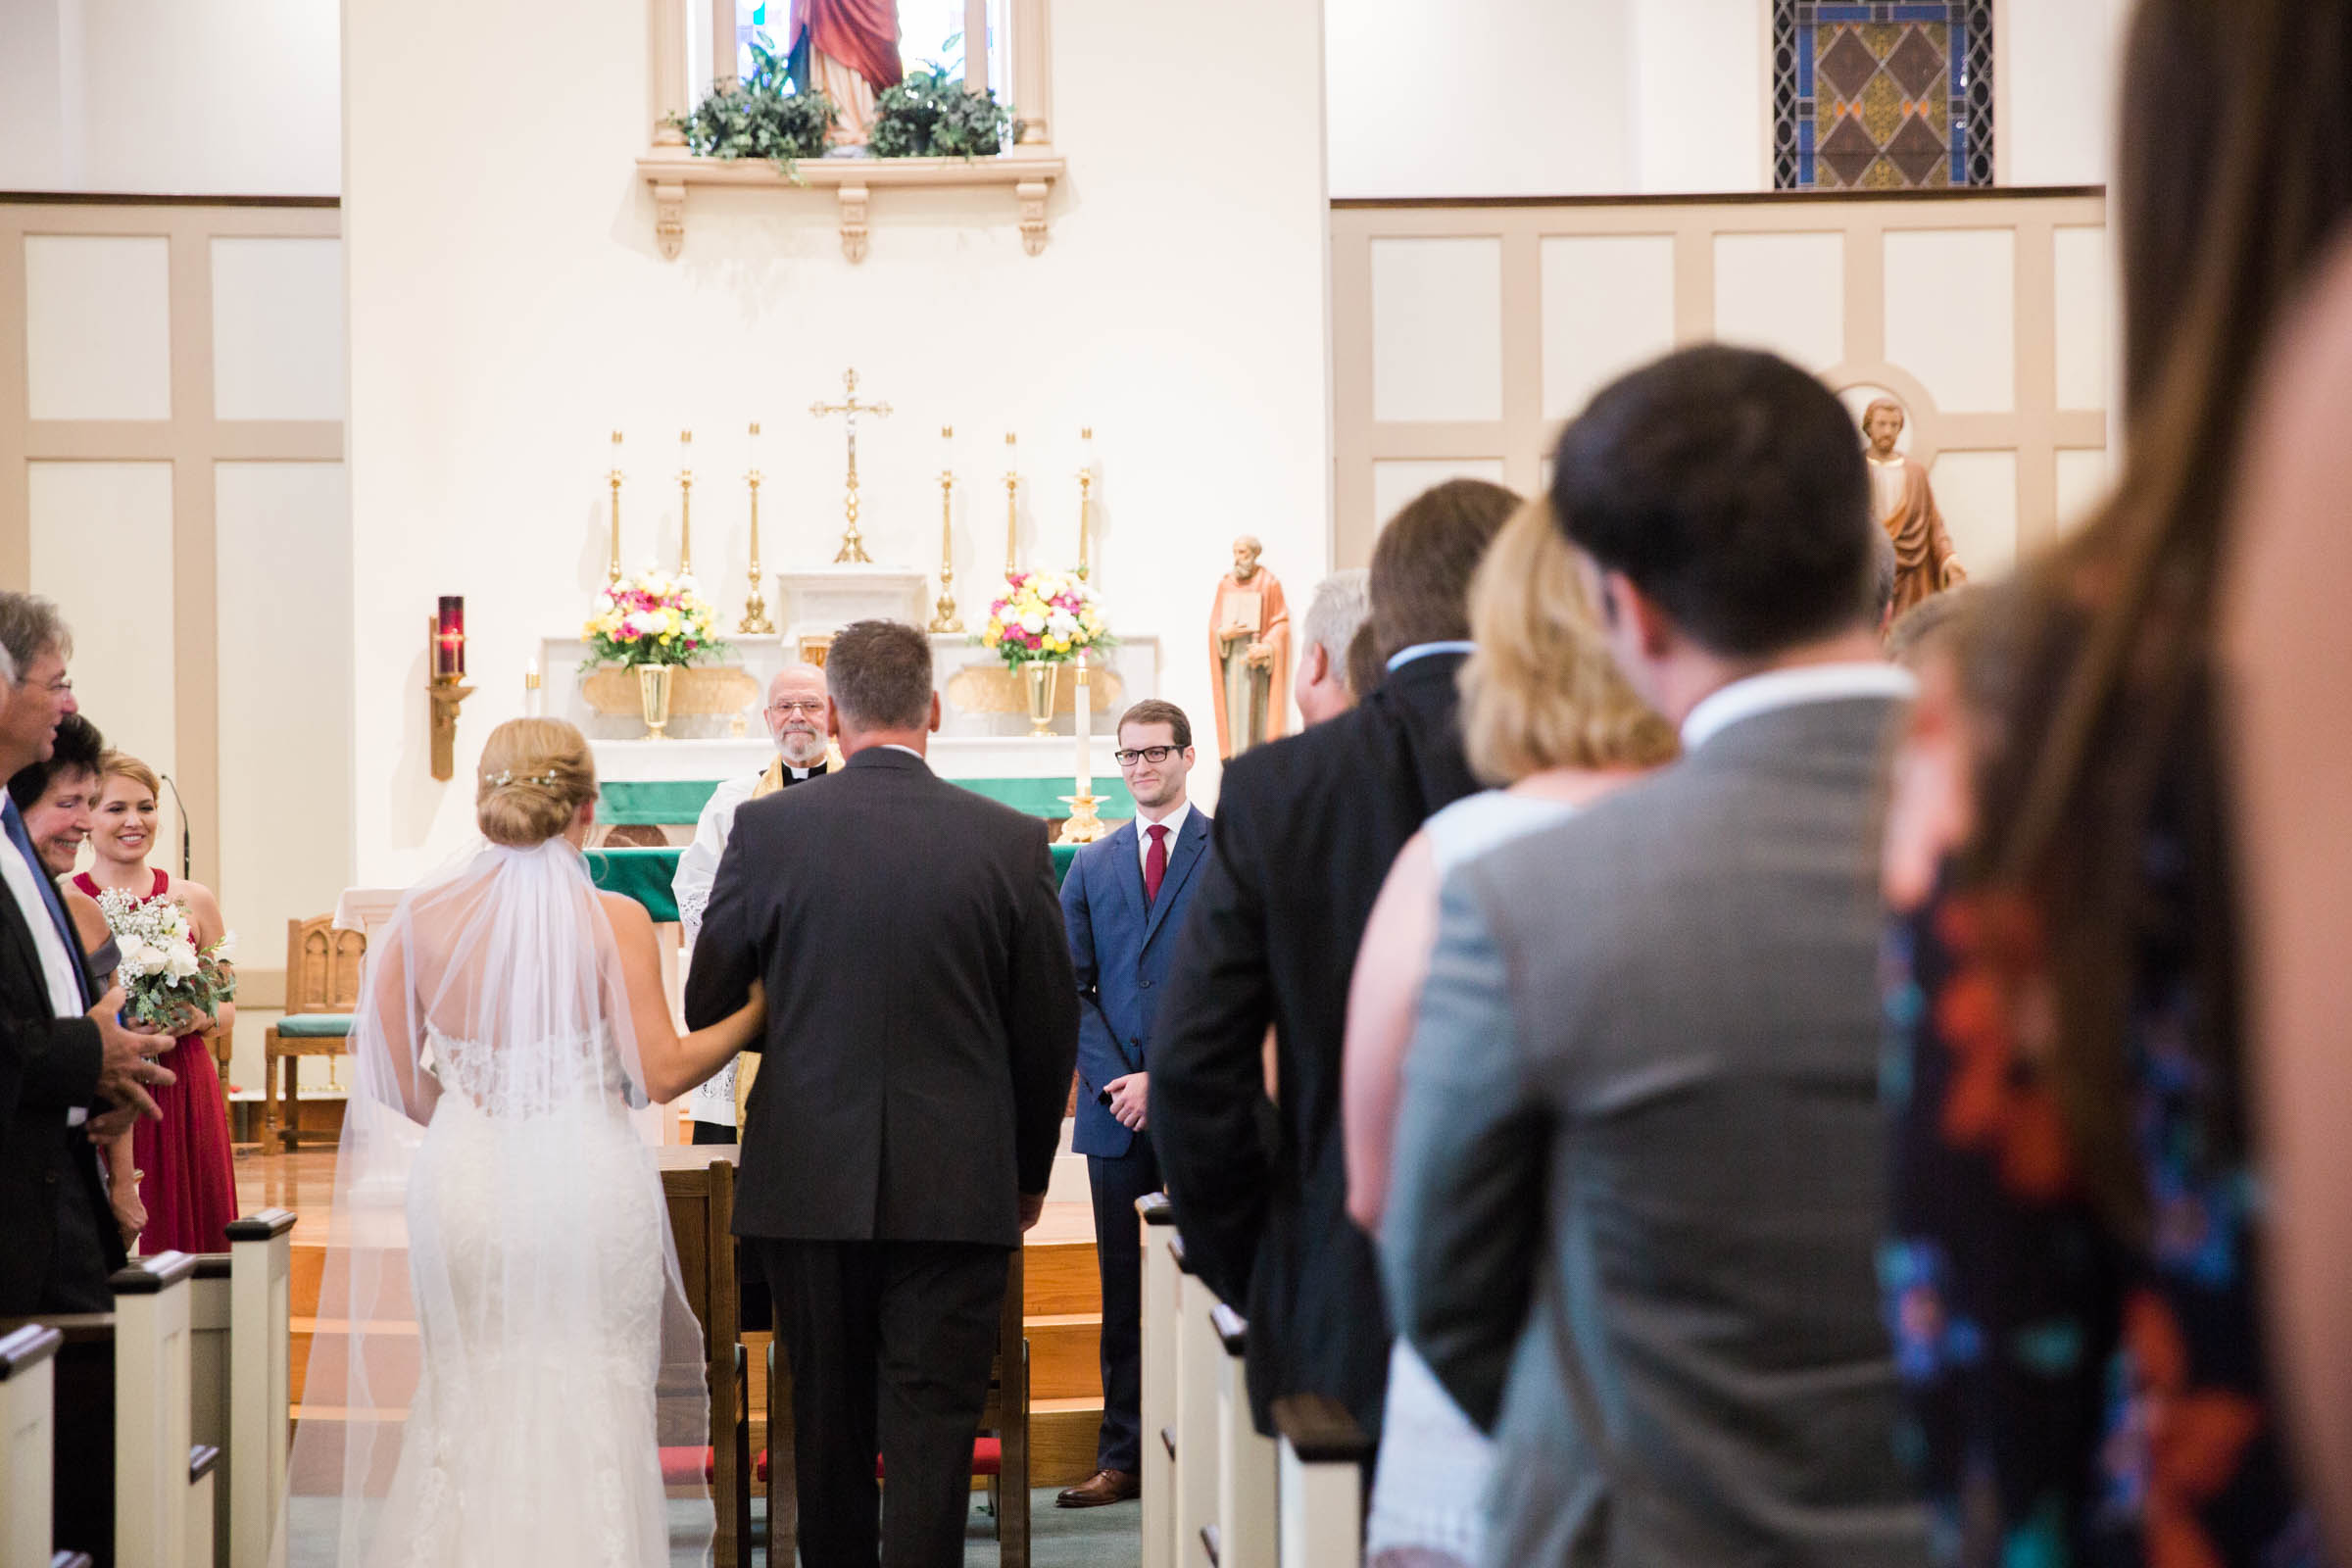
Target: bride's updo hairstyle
x: 535, y: 775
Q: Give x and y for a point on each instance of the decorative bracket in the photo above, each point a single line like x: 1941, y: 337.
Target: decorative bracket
x: 1033, y: 194
x: 1029, y: 170
x: 852, y: 221
x: 669, y: 217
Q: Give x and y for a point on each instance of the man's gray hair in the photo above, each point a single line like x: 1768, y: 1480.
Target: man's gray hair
x: 30, y: 626
x: 1342, y: 601
x: 878, y: 674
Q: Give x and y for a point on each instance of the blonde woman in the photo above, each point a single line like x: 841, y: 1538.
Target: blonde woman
x: 1547, y: 716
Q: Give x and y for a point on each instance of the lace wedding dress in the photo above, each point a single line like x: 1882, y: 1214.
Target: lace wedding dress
x: 514, y: 1344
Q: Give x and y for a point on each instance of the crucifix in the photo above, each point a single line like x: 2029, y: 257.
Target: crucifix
x: 853, y: 545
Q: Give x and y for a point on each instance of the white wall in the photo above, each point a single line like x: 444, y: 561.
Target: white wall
x: 1631, y: 97
x: 509, y: 309
x: 216, y: 98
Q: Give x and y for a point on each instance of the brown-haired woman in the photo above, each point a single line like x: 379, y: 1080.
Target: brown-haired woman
x: 1544, y: 713
x: 2074, y: 1276
x: 173, y: 1180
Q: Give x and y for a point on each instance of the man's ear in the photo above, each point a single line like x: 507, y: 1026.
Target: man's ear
x: 1317, y: 663
x: 1653, y: 632
x: 832, y: 717
x: 934, y: 726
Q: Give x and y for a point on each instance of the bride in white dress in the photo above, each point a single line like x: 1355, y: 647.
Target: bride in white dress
x: 504, y: 1349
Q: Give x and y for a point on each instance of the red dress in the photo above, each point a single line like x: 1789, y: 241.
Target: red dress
x: 189, y: 1186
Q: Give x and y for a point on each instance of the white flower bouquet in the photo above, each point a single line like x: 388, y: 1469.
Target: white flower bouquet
x: 167, y: 979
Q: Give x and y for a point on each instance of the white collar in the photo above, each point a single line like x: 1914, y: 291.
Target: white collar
x: 1726, y: 706
x: 1173, y: 821
x: 1405, y: 656
x: 894, y: 746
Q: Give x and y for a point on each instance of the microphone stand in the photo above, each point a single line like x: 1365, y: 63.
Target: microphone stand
x: 187, y: 840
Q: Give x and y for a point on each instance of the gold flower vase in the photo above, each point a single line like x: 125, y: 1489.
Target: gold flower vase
x: 1039, y: 674
x: 653, y: 685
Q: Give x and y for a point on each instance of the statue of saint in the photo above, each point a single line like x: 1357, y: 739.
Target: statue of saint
x: 849, y: 51
x: 1924, y: 563
x: 1249, y: 651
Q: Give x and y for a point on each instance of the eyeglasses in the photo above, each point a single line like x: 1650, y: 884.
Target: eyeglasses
x: 803, y: 709
x: 1148, y: 754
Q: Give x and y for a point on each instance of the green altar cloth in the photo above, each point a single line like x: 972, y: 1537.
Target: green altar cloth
x: 644, y: 874
x: 658, y: 802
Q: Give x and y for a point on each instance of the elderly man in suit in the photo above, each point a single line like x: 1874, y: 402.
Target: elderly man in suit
x: 1641, y: 1169
x: 1123, y: 901
x: 921, y: 1028
x: 69, y: 1071
x: 1305, y: 829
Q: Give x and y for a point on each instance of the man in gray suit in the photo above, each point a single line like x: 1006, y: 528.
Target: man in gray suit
x: 1641, y: 1166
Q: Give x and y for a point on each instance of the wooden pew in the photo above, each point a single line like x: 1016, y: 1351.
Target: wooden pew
x: 699, y: 1182
x: 27, y: 1432
x: 1245, y: 1462
x: 1324, y: 1453
x: 1197, y: 1358
x: 163, y: 1482
x: 239, y: 1367
x: 1158, y: 1216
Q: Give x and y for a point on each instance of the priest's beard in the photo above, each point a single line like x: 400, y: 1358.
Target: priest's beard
x: 800, y: 748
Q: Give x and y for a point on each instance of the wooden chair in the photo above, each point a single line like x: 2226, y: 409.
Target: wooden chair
x: 239, y: 1369
x: 1000, y: 1451
x: 1158, y: 1216
x: 699, y: 1183
x: 323, y: 990
x: 1323, y: 1454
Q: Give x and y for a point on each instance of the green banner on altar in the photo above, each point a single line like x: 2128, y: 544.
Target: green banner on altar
x: 645, y: 873
x: 657, y: 803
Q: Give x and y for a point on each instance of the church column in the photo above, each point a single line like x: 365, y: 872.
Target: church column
x: 668, y: 60
x: 1032, y: 74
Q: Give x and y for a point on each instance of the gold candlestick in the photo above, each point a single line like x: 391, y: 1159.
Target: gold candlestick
x: 1086, y: 485
x: 1012, y: 510
x: 612, y: 571
x: 947, y: 621
x: 852, y: 543
x: 755, y: 622
x: 685, y: 504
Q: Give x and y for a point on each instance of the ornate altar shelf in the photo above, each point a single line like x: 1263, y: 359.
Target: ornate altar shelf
x: 670, y: 171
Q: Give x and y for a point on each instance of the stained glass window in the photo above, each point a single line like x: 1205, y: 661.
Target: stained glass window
x: 1895, y: 95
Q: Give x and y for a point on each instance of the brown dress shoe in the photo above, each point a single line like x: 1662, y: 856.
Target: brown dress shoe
x: 1103, y: 1485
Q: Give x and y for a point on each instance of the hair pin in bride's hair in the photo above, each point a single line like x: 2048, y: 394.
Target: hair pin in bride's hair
x: 505, y: 777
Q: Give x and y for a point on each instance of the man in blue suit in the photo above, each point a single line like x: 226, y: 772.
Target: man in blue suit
x: 1123, y: 903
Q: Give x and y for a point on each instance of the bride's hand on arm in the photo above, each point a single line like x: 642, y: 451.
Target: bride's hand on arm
x: 672, y: 1065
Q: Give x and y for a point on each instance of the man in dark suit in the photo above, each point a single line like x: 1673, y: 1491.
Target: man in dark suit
x: 1123, y: 901
x: 1305, y: 829
x: 921, y: 1028
x: 70, y: 1070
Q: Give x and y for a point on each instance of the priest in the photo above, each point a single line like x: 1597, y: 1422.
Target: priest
x: 796, y: 717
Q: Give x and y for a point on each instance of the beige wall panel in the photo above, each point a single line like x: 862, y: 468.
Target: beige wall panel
x: 2083, y: 305
x: 283, y: 542
x: 97, y: 326
x: 277, y: 328
x: 1608, y: 305
x: 1977, y: 493
x: 1782, y: 292
x: 101, y: 539
x: 1397, y: 481
x: 1951, y: 315
x: 2086, y: 476
x: 1436, y: 329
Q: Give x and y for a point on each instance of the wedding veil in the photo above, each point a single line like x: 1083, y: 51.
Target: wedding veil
x: 502, y: 1335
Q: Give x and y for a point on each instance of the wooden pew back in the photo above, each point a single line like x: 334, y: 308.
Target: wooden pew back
x: 27, y: 1429
x: 240, y: 1366
x: 699, y: 1183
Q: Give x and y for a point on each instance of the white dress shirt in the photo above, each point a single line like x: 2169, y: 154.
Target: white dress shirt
x: 1786, y: 688
x: 56, y: 961
x: 1173, y: 823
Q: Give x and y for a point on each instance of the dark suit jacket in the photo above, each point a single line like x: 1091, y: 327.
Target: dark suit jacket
x: 921, y: 1020
x: 1121, y: 949
x: 48, y: 1066
x: 1305, y: 830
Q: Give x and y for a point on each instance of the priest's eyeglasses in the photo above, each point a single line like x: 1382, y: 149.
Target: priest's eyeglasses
x: 787, y: 709
x: 1148, y: 754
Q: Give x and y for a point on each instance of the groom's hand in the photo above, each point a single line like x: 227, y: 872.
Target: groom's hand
x: 1033, y: 1209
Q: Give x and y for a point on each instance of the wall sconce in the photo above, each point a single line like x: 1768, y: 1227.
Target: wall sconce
x: 445, y: 641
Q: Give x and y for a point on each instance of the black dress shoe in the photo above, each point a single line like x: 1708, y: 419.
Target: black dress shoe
x: 1103, y: 1485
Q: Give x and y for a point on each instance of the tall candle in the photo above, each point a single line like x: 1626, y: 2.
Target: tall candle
x: 530, y: 689
x: 1086, y: 752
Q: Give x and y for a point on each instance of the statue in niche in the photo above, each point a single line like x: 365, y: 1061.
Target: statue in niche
x: 849, y: 51
x: 1250, y: 652
x: 1905, y: 507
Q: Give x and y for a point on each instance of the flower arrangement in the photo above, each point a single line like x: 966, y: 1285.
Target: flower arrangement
x: 1049, y: 615
x: 652, y: 618
x: 165, y: 976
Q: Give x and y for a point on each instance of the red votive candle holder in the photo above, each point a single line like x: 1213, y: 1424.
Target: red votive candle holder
x: 448, y: 642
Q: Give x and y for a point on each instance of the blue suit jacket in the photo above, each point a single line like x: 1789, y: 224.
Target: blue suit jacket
x: 1120, y: 951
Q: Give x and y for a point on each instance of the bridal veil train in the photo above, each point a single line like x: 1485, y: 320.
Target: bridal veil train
x: 503, y: 1345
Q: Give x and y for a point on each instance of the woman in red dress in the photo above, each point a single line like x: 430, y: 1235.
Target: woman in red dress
x: 171, y: 1174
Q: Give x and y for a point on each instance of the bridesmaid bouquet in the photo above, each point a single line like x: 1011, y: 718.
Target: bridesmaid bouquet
x: 166, y: 977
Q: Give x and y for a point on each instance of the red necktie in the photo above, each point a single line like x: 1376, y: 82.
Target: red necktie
x: 1155, y: 860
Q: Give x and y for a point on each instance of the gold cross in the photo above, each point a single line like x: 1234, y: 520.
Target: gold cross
x: 853, y: 545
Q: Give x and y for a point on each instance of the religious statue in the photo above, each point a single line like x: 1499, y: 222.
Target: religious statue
x: 1250, y: 652
x: 1905, y: 508
x: 849, y: 51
